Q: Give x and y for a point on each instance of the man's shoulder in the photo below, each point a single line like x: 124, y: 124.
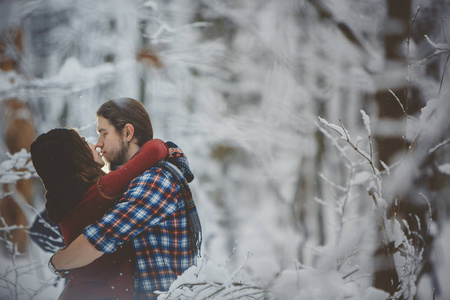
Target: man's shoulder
x: 156, y: 179
x: 155, y: 173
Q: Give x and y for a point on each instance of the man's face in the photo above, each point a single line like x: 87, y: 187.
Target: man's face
x: 97, y: 158
x: 113, y: 146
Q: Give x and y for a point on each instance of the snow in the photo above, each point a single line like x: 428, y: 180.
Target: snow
x: 437, y: 46
x: 366, y: 120
x: 303, y: 282
x: 29, y: 275
x: 445, y: 168
x: 17, y: 166
x: 71, y: 69
x: 339, y: 129
x: 239, y: 89
x: 362, y: 178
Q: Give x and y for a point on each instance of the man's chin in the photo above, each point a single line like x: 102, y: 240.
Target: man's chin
x: 114, y: 163
x: 107, y: 159
x: 108, y: 162
x: 119, y: 158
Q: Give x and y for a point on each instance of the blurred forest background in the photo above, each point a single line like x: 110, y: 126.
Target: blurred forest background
x: 318, y: 132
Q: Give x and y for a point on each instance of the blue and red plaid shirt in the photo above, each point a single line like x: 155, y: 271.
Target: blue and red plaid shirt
x: 152, y: 214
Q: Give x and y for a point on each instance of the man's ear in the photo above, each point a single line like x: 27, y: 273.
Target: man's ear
x: 128, y: 132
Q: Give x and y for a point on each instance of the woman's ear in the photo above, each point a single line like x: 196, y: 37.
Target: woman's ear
x: 128, y: 132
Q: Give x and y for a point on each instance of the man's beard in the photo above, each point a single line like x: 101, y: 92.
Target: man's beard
x: 120, y: 157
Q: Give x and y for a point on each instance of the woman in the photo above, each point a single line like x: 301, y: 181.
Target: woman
x: 78, y: 192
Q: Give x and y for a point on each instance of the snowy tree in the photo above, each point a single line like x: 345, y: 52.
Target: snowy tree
x: 292, y: 207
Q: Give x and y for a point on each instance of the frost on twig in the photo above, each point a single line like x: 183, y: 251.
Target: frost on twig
x: 437, y: 46
x: 12, y: 277
x: 13, y: 285
x: 17, y: 166
x: 339, y: 129
x: 343, y: 132
x: 402, y: 252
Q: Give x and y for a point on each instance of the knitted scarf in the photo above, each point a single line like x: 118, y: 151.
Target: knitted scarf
x: 194, y: 226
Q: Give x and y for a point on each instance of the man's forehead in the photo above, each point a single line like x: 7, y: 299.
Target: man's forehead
x: 103, y: 124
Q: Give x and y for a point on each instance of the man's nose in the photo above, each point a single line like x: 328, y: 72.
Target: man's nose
x: 99, y: 144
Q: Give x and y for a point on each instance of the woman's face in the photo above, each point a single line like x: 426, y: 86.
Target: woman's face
x: 97, y: 157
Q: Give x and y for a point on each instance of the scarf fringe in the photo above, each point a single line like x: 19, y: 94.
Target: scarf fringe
x: 194, y: 225
x: 194, y: 228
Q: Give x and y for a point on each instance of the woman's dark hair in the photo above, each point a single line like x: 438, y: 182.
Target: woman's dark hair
x: 86, y: 168
x: 64, y: 162
x: 121, y: 111
x: 64, y: 151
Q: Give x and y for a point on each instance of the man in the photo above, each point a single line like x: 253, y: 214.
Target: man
x: 153, y: 213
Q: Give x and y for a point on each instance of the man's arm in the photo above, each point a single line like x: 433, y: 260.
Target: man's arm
x: 149, y: 200
x: 78, y: 254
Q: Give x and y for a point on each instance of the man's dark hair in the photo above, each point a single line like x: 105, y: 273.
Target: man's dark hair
x: 121, y: 111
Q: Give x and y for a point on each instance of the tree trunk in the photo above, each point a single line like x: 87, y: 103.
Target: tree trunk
x: 18, y: 132
x: 389, y: 146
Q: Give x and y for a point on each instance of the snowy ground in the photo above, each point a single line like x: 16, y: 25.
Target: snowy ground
x: 34, y: 280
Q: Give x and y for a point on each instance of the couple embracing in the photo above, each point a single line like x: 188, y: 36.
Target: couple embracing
x: 130, y: 232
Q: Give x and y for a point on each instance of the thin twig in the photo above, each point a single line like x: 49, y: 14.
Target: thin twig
x: 419, y: 135
x: 435, y: 148
x: 407, y: 58
x: 443, y: 73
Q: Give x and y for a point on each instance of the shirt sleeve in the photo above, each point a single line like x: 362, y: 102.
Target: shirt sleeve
x: 150, y: 199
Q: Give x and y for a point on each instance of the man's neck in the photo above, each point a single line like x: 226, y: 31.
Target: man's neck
x: 132, y: 150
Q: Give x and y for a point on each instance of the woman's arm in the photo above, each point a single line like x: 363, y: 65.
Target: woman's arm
x: 114, y: 184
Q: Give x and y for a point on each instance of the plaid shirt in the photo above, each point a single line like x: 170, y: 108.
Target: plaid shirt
x: 151, y: 213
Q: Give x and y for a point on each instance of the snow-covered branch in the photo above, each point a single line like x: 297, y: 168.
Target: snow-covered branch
x: 400, y: 248
x: 212, y: 281
x: 72, y: 78
x: 437, y: 46
x: 17, y: 166
x: 343, y: 132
